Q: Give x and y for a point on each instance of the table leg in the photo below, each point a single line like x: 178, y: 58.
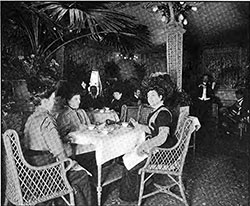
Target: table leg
x: 99, y: 186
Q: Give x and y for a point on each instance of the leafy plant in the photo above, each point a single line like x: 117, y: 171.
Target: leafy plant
x: 30, y: 68
x: 48, y: 26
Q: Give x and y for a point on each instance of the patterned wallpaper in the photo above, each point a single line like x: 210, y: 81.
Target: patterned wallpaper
x: 228, y: 65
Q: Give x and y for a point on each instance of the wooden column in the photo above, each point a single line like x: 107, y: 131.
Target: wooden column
x: 174, y: 51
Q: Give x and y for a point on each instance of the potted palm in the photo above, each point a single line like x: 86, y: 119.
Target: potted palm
x: 23, y: 70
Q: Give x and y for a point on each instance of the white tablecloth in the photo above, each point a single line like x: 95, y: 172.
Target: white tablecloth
x: 109, y: 146
x: 101, y: 115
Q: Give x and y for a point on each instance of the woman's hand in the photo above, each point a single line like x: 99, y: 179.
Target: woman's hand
x: 142, y: 127
x: 143, y: 149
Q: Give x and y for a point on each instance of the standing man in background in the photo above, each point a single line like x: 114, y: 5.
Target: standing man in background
x: 202, y: 108
x: 204, y: 97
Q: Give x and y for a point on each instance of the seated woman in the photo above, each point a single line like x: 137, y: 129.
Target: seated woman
x: 43, y: 144
x: 71, y: 119
x: 118, y: 100
x: 158, y: 135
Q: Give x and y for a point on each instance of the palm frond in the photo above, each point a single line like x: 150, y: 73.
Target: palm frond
x: 79, y: 15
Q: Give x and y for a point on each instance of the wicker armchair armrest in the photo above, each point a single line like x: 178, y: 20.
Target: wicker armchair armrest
x: 70, y: 164
x: 158, y: 156
x: 66, y: 164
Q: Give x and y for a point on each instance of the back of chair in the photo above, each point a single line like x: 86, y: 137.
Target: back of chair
x: 128, y: 112
x: 171, y: 161
x: 180, y: 123
x: 145, y: 110
x: 29, y: 185
x: 16, y: 121
x: 12, y: 163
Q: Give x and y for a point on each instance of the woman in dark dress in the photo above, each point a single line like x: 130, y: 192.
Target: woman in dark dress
x: 157, y: 135
x: 117, y: 101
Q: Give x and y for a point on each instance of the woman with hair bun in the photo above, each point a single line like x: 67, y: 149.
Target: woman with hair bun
x: 71, y: 119
x: 157, y: 133
x: 43, y: 144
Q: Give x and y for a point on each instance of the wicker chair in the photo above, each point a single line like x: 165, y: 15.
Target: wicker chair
x: 144, y: 111
x: 181, y: 120
x: 128, y: 112
x: 29, y: 185
x: 169, y: 162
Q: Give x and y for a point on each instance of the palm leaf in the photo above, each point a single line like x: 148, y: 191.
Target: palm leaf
x: 75, y: 15
x: 19, y: 21
x: 111, y: 27
x: 64, y: 22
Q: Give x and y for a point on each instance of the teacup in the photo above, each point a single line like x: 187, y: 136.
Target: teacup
x: 124, y: 124
x: 105, y: 131
x: 91, y: 127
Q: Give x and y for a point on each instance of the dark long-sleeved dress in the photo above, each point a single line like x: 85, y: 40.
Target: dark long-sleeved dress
x: 130, y: 183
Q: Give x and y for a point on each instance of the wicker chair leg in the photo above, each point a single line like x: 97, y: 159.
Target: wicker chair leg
x: 181, y: 186
x: 5, y: 201
x: 71, y: 199
x: 241, y: 133
x: 194, y: 139
x: 141, y: 188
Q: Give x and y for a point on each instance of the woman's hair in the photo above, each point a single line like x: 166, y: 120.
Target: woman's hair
x: 42, y: 92
x: 40, y: 89
x: 72, y: 90
x: 159, y: 90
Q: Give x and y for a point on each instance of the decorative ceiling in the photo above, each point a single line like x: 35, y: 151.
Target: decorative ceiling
x: 212, y: 23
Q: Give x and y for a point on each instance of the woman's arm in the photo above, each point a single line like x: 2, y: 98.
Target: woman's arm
x: 86, y: 117
x: 52, y: 139
x: 158, y: 140
x: 145, y: 128
x: 64, y: 126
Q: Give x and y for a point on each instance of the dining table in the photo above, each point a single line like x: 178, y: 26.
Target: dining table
x: 108, y: 142
x: 99, y: 116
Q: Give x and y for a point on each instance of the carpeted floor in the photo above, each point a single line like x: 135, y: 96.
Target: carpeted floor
x: 216, y: 176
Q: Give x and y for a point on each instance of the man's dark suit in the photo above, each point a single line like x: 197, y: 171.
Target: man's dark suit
x: 203, y: 102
